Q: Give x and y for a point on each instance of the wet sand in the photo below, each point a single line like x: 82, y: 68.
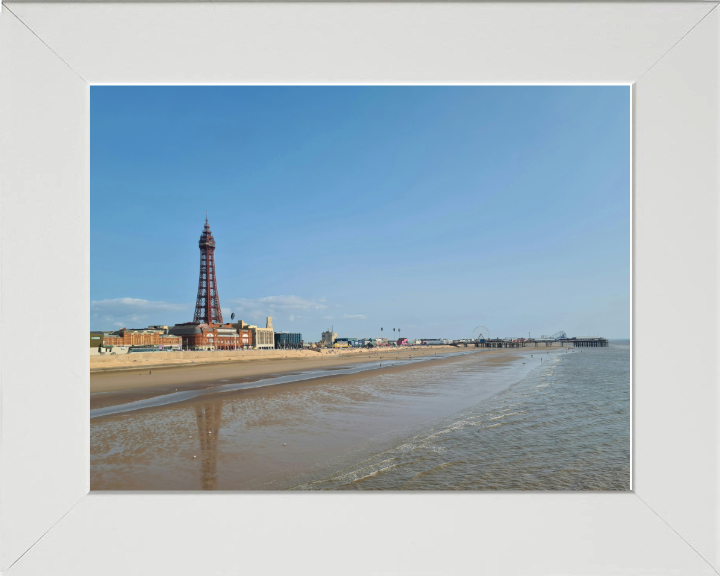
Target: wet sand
x: 277, y: 437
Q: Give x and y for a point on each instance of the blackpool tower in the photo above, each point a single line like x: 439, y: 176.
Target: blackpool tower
x: 207, y: 305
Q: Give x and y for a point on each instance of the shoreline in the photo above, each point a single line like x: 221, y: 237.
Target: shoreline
x: 197, y: 384
x: 113, y: 377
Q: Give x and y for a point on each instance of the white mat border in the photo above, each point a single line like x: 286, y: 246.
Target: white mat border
x: 49, y: 54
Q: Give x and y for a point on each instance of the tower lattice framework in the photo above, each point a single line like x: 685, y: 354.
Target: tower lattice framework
x: 207, y: 305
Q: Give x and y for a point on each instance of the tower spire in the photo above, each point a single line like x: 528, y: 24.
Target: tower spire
x: 207, y: 304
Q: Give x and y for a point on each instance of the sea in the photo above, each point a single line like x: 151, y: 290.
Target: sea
x: 537, y: 420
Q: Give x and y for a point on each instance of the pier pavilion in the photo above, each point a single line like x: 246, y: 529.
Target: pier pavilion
x: 588, y: 342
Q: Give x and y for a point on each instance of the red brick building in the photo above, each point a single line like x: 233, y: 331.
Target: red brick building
x: 125, y: 337
x: 212, y: 336
x: 246, y: 338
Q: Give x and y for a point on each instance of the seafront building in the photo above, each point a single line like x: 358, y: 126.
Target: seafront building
x: 210, y: 336
x: 329, y: 337
x: 140, y: 337
x: 263, y: 338
x: 96, y: 339
x: 285, y: 340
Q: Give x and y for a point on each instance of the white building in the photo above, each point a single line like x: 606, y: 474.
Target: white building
x: 264, y: 338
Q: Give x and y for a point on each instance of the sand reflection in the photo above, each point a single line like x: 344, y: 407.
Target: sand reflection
x: 208, y: 417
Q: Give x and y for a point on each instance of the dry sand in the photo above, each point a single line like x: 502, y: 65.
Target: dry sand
x: 111, y: 363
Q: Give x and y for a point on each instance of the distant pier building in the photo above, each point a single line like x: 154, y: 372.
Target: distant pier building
x: 588, y: 342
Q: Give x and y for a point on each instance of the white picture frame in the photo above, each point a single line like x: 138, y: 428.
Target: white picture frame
x: 50, y: 53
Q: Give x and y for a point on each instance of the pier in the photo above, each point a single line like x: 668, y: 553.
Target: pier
x: 588, y: 342
x: 594, y: 342
x: 491, y: 343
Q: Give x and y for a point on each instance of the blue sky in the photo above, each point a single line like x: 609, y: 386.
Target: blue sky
x: 430, y: 209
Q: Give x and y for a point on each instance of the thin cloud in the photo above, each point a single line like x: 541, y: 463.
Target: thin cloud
x: 259, y: 308
x: 134, y: 312
x: 278, y: 303
x: 354, y: 317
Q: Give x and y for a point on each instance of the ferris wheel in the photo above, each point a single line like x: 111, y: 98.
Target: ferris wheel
x: 481, y: 333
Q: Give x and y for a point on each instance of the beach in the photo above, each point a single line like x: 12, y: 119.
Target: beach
x: 294, y: 423
x: 133, y: 371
